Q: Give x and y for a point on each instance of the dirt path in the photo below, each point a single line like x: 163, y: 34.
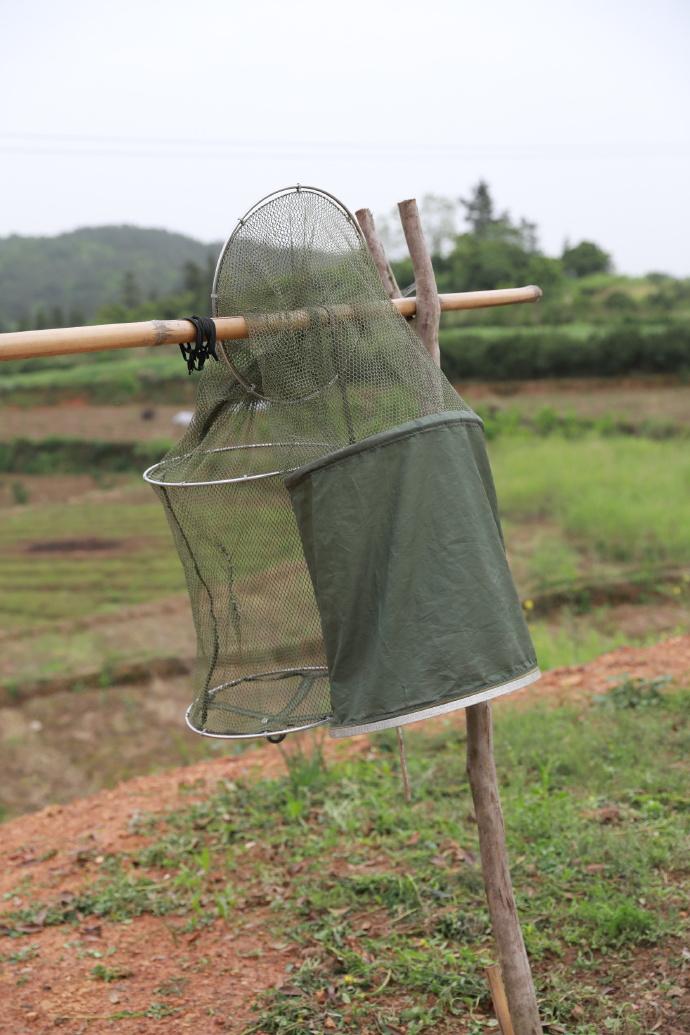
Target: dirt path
x: 127, y: 423
x: 633, y: 397
x: 215, y: 972
x: 578, y: 683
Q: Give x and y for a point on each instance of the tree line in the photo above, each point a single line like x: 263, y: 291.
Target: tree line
x: 475, y: 246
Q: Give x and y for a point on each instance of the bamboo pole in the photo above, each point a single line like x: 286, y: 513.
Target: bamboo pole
x: 62, y: 341
x: 378, y: 253
x: 481, y: 767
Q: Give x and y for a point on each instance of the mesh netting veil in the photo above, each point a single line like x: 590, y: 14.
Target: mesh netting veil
x: 289, y: 505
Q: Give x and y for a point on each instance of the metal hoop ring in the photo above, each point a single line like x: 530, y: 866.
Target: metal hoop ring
x: 239, y: 479
x: 222, y: 349
x: 275, y: 674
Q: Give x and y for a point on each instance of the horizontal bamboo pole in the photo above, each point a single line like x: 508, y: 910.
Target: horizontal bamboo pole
x: 62, y: 341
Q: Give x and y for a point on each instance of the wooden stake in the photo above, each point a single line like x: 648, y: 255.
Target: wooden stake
x: 498, y: 996
x: 428, y: 302
x: 481, y: 768
x: 405, y: 772
x: 63, y: 341
x: 378, y: 253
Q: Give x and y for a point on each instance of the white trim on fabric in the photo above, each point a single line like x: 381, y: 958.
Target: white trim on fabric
x: 438, y: 709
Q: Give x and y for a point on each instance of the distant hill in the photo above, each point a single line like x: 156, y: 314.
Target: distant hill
x: 87, y: 268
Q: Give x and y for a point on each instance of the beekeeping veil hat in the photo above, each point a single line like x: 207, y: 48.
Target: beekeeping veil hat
x: 332, y: 501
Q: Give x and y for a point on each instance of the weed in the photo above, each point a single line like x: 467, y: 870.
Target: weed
x: 118, y: 897
x: 102, y: 973
x: 155, y: 1011
x: 172, y: 987
x: 635, y: 692
x: 20, y: 494
x: 612, y: 921
x: 388, y: 898
x: 30, y: 952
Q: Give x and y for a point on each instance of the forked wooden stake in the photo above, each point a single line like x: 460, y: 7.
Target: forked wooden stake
x: 378, y: 253
x: 428, y: 301
x: 481, y: 768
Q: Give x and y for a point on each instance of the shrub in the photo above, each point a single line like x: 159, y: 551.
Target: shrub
x: 67, y: 456
x: 526, y: 355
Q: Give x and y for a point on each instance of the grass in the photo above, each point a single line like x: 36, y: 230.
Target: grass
x: 140, y: 563
x: 568, y: 506
x: 615, y: 499
x: 574, y: 639
x: 384, y: 902
x: 547, y: 420
x: 56, y: 455
x: 576, y: 511
x: 578, y: 330
x: 60, y: 585
x: 102, y: 377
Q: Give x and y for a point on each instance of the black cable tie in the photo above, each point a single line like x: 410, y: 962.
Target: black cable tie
x: 196, y: 354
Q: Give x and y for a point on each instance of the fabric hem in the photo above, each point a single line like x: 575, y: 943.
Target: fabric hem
x: 438, y: 709
x: 411, y: 428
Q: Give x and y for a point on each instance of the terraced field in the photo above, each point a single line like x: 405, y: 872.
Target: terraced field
x: 93, y: 598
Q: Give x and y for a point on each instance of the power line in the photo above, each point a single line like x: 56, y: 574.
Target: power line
x: 83, y: 145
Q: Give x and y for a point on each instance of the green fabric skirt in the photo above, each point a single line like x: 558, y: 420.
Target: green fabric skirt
x: 404, y: 547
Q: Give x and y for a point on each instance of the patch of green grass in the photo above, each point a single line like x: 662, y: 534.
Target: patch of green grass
x: 119, y: 897
x: 76, y: 456
x: 172, y: 987
x: 548, y: 421
x: 385, y: 901
x: 20, y: 494
x: 141, y: 565
x: 573, y: 638
x: 617, y: 499
x: 552, y: 562
x: 29, y: 952
x: 107, y: 377
x: 155, y: 1011
x: 635, y: 692
x: 100, y: 972
x: 612, y: 922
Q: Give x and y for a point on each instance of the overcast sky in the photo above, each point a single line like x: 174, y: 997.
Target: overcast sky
x: 180, y: 114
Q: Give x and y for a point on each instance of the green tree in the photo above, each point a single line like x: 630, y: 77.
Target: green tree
x: 620, y: 302
x: 482, y: 263
x: 584, y: 258
x: 480, y: 212
x: 130, y: 294
x: 75, y: 317
x: 192, y: 277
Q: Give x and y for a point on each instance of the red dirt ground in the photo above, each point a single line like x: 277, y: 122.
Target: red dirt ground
x: 214, y: 973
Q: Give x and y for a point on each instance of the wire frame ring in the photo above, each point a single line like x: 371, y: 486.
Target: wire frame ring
x: 256, y: 207
x: 285, y: 673
x: 240, y: 479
